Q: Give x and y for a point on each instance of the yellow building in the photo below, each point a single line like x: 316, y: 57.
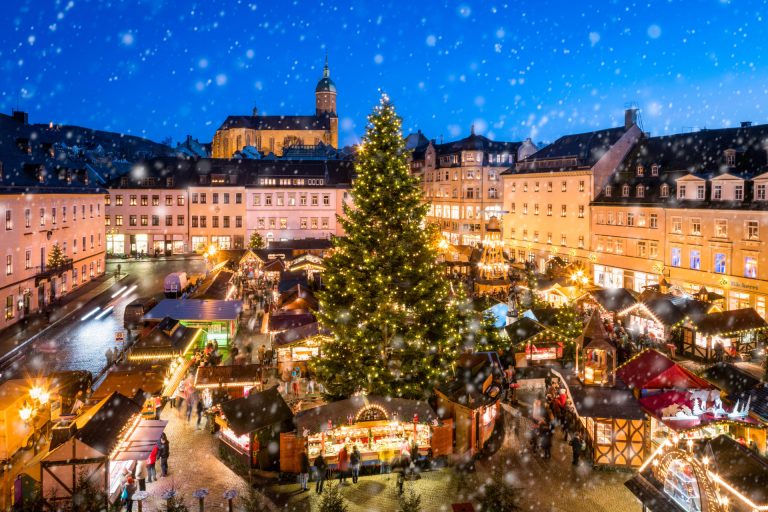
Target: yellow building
x: 699, y: 208
x: 271, y: 134
x: 547, y: 195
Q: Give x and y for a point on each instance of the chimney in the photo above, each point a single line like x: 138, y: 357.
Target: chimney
x: 630, y: 118
x: 21, y: 117
x: 746, y: 124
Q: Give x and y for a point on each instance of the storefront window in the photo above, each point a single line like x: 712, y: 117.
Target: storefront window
x: 603, y: 433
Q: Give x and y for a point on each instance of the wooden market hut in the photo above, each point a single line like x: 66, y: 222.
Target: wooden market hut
x: 217, y: 318
x: 381, y: 427
x: 167, y: 340
x: 250, y: 424
x: 533, y: 342
x: 657, y: 315
x: 99, y: 446
x: 611, y: 301
x: 737, y: 331
x: 596, y: 355
x: 472, y: 400
x: 234, y: 379
x: 296, y: 346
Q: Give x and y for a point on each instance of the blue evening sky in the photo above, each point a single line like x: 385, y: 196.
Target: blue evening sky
x: 536, y: 69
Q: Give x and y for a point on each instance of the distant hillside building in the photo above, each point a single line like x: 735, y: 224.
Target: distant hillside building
x: 272, y: 134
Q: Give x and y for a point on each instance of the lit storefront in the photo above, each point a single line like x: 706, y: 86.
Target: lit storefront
x: 608, y: 277
x: 217, y: 318
x: 115, y: 244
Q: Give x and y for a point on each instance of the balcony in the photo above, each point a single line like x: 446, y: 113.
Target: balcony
x: 45, y: 273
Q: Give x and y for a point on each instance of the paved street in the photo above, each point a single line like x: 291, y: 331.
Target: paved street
x: 75, y: 344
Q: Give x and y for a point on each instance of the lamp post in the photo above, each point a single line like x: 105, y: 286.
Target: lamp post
x: 230, y: 495
x: 200, y: 494
x: 140, y: 496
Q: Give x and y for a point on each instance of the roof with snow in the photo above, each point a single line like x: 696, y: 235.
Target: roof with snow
x: 720, y: 322
x: 277, y: 122
x: 651, y: 369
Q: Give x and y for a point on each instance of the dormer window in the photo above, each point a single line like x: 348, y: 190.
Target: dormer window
x: 681, y: 192
x: 730, y: 157
x: 625, y: 191
x: 717, y: 192
x: 664, y: 190
x: 738, y: 193
x: 700, y: 191
x: 169, y: 182
x: 640, y: 191
x: 655, y: 170
x: 608, y: 190
x: 124, y: 181
x: 640, y: 170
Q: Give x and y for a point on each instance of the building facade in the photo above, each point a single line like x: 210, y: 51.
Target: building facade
x: 703, y: 202
x: 217, y: 210
x: 42, y: 209
x: 547, y: 195
x: 272, y: 134
x: 461, y: 181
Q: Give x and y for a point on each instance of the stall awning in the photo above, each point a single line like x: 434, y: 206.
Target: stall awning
x: 139, y: 443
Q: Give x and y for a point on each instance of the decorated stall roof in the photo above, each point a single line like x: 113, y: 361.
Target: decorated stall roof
x: 256, y: 411
x: 215, y: 287
x: 614, y: 299
x: 669, y: 310
x: 733, y: 321
x: 167, y: 339
x: 478, y: 380
x: 686, y: 410
x: 196, y: 309
x: 740, y: 467
x: 651, y: 369
x: 131, y: 381
x: 228, y: 376
x: 298, y: 297
x: 730, y: 378
x: 100, y: 426
x: 524, y: 329
x: 363, y: 408
x: 301, y: 333
x: 290, y: 319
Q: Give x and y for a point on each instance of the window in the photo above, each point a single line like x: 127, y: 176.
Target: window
x: 256, y: 199
x: 525, y: 208
x: 492, y: 193
x: 641, y: 249
x: 664, y: 190
x: 738, y: 193
x: 9, y: 307
x: 721, y: 228
x: 267, y: 199
x: 717, y: 192
x: 608, y: 190
x: 525, y: 186
x: 696, y: 226
x: 203, y: 198
x: 324, y: 223
x: 750, y: 267
x: 625, y: 191
x: 132, y: 200
x: 64, y: 214
x: 536, y: 209
x: 194, y: 198
x: 280, y: 199
x: 640, y: 170
x: 720, y: 263
x: 27, y: 218
x: 700, y: 192
x: 42, y: 216
x: 28, y: 259
x: 760, y: 192
x: 581, y: 186
x: 549, y: 186
x: 180, y: 200
x: 238, y: 198
x: 144, y: 220
x: 194, y: 221
x: 675, y: 257
x: 238, y: 221
x: 549, y: 237
x: 169, y: 220
x: 562, y: 239
x: 155, y: 220
x: 179, y: 220
x: 549, y: 210
x: 226, y: 197
x: 535, y: 236
x: 563, y: 209
x: 215, y: 198
x: 203, y: 221
x: 156, y: 200
x: 581, y: 211
x: 8, y: 220
x: 215, y: 221
x: 327, y: 199
x: 512, y: 208
x: 168, y: 200
x: 640, y: 191
x: 681, y: 191
x: 653, y: 249
x: 654, y: 220
x: 284, y: 223
x: 564, y: 186
x: 752, y: 230
x: 730, y: 157
x: 226, y: 221
x: 655, y: 170
x: 118, y: 200
x: 677, y: 225
x: 630, y: 219
x: 695, y: 259
x: 535, y: 186
x: 581, y: 242
x: 118, y: 220
x: 8, y: 264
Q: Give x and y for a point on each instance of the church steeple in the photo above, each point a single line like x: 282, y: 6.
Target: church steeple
x: 326, y: 72
x: 325, y: 92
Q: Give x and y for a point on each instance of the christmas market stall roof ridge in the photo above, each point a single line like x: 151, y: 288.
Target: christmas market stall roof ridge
x: 196, y: 309
x: 101, y: 425
x: 602, y: 402
x: 730, y: 379
x: 651, y: 369
x: 338, y: 412
x: 300, y: 333
x: 256, y: 411
x: 734, y: 320
x: 614, y: 299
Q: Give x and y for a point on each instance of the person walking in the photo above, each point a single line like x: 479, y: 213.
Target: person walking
x: 304, y: 470
x: 200, y: 409
x: 354, y: 461
x: 141, y: 474
x: 129, y: 488
x: 190, y: 405
x: 343, y: 464
x: 163, y: 451
x: 321, y: 466
x: 151, y: 461
x: 545, y: 436
x: 577, y: 446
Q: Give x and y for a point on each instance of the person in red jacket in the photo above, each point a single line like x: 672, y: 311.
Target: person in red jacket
x: 151, y: 460
x: 343, y: 464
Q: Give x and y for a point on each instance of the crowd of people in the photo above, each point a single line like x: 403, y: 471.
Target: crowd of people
x: 145, y: 472
x: 556, y: 410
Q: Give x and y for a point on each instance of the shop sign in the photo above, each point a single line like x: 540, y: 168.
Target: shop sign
x: 746, y: 286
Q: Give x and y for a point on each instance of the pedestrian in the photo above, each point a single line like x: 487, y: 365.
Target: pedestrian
x: 354, y: 461
x: 546, y: 441
x: 295, y: 380
x: 141, y: 475
x: 320, y: 467
x: 163, y: 451
x: 262, y: 350
x: 200, y: 409
x: 129, y: 488
x: 343, y: 464
x: 151, y: 461
x: 310, y: 384
x: 304, y: 470
x: 189, y: 408
x: 577, y: 446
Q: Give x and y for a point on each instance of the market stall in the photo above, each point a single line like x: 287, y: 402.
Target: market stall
x: 249, y: 425
x: 238, y: 380
x: 380, y: 427
x: 736, y: 333
x: 100, y: 445
x: 609, y: 301
x: 217, y: 318
x: 294, y: 347
x: 534, y: 343
x: 657, y: 315
x: 596, y: 354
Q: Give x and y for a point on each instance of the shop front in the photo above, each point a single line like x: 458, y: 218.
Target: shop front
x: 295, y: 347
x: 381, y: 428
x: 116, y: 244
x: 608, y: 277
x: 140, y: 243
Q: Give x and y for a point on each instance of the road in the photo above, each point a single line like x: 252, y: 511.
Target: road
x: 81, y: 341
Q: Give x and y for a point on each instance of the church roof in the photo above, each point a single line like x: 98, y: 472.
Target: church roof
x: 326, y: 84
x: 278, y: 122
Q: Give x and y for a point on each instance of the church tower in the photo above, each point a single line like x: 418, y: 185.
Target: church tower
x: 325, y: 93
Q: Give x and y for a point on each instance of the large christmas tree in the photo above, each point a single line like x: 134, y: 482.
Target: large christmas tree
x: 396, y: 327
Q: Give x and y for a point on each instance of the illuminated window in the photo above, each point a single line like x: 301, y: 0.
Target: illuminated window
x: 750, y: 267
x: 675, y: 257
x: 720, y: 263
x: 695, y: 259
